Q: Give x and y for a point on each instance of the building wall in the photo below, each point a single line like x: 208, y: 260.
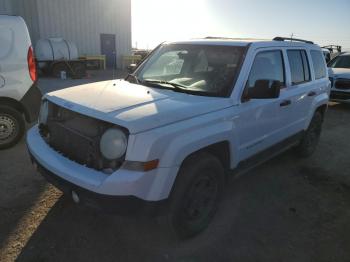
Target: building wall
x: 82, y: 21
x: 6, y: 7
x: 29, y: 11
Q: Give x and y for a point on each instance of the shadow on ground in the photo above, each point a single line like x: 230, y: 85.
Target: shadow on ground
x: 20, y: 189
x: 271, y: 214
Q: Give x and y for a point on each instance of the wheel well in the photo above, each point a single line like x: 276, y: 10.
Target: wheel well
x: 10, y: 102
x: 322, y: 109
x: 221, y: 150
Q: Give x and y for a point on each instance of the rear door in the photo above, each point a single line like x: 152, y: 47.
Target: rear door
x: 15, y: 42
x: 301, y: 87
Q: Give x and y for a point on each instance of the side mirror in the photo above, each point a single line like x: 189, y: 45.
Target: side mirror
x: 342, y: 84
x: 264, y: 89
x: 131, y: 68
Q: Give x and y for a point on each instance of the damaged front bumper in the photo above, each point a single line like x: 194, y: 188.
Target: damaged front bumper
x: 123, y: 191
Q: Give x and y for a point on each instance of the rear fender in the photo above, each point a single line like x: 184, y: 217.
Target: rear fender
x: 319, y: 101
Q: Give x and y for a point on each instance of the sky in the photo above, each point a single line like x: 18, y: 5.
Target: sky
x: 321, y: 21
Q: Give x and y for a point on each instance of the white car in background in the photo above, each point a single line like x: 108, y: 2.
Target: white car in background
x: 339, y: 74
x: 19, y: 96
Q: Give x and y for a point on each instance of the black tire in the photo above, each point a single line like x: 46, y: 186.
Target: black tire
x: 12, y: 127
x: 196, y: 194
x: 309, y: 142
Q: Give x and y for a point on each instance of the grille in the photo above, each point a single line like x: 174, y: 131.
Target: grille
x: 342, y: 84
x: 77, y: 137
x: 340, y: 95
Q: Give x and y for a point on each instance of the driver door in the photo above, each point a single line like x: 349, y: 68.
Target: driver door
x: 260, y: 120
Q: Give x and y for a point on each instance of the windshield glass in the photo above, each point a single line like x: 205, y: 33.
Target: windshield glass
x: 340, y: 62
x: 197, y: 69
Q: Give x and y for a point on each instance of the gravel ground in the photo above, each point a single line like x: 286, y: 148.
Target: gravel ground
x: 288, y: 209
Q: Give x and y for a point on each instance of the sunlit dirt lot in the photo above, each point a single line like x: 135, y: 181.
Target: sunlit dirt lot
x: 288, y: 209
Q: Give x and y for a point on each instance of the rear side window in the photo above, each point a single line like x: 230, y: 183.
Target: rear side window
x: 319, y: 64
x: 299, y: 66
x: 267, y: 65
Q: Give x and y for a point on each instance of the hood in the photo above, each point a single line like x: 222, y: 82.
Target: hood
x: 339, y: 72
x: 135, y: 107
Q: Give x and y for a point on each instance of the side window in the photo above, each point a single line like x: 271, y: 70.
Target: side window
x: 319, y: 64
x: 267, y: 65
x: 306, y: 66
x: 299, y: 66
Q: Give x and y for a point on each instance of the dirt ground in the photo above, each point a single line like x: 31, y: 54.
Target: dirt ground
x: 288, y: 209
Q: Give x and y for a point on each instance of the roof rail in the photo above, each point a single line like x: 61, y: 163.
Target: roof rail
x: 279, y: 38
x: 231, y: 38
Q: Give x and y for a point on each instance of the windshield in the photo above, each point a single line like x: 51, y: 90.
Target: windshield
x: 196, y: 69
x: 340, y: 62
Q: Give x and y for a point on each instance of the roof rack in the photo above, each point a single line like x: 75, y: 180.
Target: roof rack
x: 333, y: 48
x: 279, y: 38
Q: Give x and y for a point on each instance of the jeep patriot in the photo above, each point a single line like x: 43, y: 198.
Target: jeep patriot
x: 163, y: 140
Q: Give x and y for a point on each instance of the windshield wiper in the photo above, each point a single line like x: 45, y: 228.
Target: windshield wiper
x: 175, y: 86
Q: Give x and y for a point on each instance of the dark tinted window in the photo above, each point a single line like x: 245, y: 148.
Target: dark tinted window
x: 306, y: 66
x: 267, y: 66
x: 341, y: 62
x: 319, y: 64
x: 299, y: 66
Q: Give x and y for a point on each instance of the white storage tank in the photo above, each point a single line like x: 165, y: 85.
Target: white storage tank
x: 53, y: 49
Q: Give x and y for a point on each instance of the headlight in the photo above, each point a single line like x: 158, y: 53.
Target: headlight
x: 113, y: 144
x: 44, y: 112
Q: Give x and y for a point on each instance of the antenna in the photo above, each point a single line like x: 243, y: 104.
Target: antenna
x: 291, y: 37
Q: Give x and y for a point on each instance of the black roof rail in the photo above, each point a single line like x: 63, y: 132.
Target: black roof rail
x: 279, y: 38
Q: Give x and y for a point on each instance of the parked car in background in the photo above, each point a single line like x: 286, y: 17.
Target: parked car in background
x: 327, y: 54
x: 19, y: 96
x: 163, y: 141
x: 339, y: 74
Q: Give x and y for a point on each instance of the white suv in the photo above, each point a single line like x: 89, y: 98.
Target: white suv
x: 19, y: 96
x: 162, y: 140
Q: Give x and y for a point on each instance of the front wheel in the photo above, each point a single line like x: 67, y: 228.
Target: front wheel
x: 309, y: 142
x: 11, y: 127
x: 196, y: 195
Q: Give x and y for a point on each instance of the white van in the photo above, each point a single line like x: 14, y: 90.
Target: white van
x: 19, y: 96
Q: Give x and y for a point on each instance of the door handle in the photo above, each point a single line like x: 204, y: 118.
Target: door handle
x: 285, y: 103
x: 312, y: 93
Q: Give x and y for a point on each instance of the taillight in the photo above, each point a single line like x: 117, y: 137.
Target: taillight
x: 32, y: 65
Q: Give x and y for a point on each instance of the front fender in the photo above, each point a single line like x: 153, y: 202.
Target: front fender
x: 173, y: 143
x: 194, y: 140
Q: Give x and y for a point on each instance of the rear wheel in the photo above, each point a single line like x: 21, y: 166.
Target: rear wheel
x: 196, y: 195
x: 11, y: 127
x: 309, y: 142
